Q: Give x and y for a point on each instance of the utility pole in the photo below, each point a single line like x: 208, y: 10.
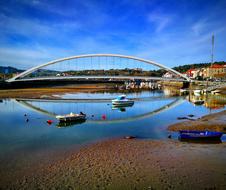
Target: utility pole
x: 210, y: 72
x: 212, y: 50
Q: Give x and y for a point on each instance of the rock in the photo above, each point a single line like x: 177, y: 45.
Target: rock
x: 190, y: 115
x: 169, y: 136
x: 129, y: 137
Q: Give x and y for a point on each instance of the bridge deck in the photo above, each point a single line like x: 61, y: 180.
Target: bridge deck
x: 102, y: 77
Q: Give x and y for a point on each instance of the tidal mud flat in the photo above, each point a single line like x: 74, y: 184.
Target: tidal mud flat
x: 48, y: 92
x: 133, y: 164
x: 212, y: 122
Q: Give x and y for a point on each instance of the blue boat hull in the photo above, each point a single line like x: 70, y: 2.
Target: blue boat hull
x: 199, y: 135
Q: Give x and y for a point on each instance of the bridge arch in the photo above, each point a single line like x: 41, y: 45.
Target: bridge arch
x: 27, y: 72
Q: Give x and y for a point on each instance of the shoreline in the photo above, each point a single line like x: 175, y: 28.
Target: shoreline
x: 50, y: 91
x: 54, y: 91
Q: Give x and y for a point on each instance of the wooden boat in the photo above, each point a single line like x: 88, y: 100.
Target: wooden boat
x: 71, y: 117
x: 122, y: 101
x: 199, y: 135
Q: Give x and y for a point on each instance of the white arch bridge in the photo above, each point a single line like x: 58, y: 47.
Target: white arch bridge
x: 24, y: 76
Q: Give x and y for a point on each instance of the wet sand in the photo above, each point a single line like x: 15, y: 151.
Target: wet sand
x: 133, y: 164
x: 211, y: 122
x: 48, y: 92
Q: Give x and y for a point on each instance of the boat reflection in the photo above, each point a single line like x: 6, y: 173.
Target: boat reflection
x: 209, y: 100
x: 121, y: 108
x: 70, y: 123
x: 201, y: 141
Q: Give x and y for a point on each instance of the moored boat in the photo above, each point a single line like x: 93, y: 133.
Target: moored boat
x: 198, y: 102
x: 71, y: 117
x: 199, y: 135
x: 122, y: 101
x: 184, y: 91
x: 70, y: 123
x: 197, y: 92
x: 216, y: 91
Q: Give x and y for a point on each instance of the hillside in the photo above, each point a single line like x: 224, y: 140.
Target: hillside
x: 9, y: 70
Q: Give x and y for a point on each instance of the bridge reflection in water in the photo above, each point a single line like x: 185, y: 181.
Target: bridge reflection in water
x: 95, y: 109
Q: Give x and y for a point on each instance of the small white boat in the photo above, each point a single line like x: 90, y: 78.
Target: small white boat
x: 184, y: 91
x: 197, y: 92
x: 71, y: 117
x: 122, y: 101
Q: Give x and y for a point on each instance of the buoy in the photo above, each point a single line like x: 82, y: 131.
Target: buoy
x: 103, y: 117
x: 49, y: 122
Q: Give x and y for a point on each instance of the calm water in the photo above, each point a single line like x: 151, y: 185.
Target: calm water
x: 148, y: 118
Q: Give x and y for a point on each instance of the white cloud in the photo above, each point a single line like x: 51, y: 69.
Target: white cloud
x: 199, y: 27
x: 160, y: 20
x: 34, y: 27
x: 27, y: 57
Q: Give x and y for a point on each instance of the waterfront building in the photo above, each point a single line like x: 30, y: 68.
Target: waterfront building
x: 168, y: 75
x: 216, y: 71
x: 193, y: 73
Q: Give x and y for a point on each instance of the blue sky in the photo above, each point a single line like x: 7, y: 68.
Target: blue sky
x: 169, y: 32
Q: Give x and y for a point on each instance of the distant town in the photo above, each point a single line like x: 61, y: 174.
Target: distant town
x: 215, y: 71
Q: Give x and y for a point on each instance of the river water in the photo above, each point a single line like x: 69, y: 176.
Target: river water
x: 25, y: 133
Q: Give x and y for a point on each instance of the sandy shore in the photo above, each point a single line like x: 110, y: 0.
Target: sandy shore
x: 133, y: 164
x: 212, y: 122
x: 50, y: 91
